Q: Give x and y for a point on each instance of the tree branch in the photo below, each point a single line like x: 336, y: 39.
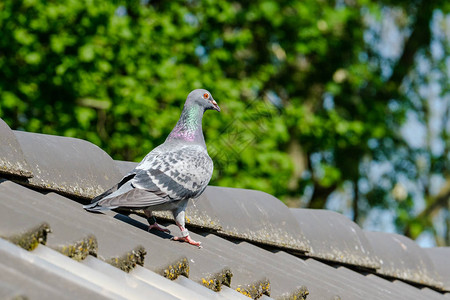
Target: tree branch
x: 437, y: 202
x: 320, y: 195
x: 420, y: 37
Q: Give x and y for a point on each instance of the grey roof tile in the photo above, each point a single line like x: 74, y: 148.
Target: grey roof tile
x: 117, y: 238
x: 289, y: 277
x: 68, y: 165
x: 440, y: 256
x: 401, y: 258
x: 40, y: 279
x: 27, y: 231
x: 333, y: 283
x: 314, y: 285
x: 209, y: 266
x: 393, y: 288
x: 329, y: 282
x: 248, y: 276
x: 124, y: 166
x: 285, y: 272
x: 166, y: 285
x: 74, y: 231
x: 276, y: 279
x: 12, y: 160
x: 416, y: 292
x: 264, y: 297
x: 326, y: 282
x: 98, y: 280
x: 140, y: 287
x: 334, y: 237
x: 164, y: 255
x: 114, y: 246
x: 228, y: 293
x: 430, y: 294
x: 255, y: 216
x: 198, y: 288
x: 374, y: 288
x: 231, y: 216
x: 10, y: 290
x: 246, y: 214
x: 34, y: 209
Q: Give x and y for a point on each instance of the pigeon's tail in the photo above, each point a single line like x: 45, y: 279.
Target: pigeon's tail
x: 104, y: 194
x: 103, y: 201
x: 113, y: 189
x: 96, y: 207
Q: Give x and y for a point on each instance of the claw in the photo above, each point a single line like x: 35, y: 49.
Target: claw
x: 187, y: 239
x: 157, y: 227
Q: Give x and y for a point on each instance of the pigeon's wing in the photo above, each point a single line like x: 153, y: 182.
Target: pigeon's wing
x: 171, y: 176
x: 132, y: 198
x: 147, y: 161
x: 177, y: 175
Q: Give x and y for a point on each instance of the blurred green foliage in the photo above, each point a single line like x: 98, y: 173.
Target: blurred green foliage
x: 302, y: 92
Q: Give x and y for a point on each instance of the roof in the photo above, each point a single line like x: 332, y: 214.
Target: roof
x: 253, y: 245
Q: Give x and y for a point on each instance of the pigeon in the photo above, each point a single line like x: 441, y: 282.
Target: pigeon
x: 171, y: 174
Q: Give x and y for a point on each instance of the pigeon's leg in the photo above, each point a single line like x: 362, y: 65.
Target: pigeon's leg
x: 179, y: 216
x: 152, y: 222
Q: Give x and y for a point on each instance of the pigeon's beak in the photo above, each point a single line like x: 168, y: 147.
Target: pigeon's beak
x: 215, y: 105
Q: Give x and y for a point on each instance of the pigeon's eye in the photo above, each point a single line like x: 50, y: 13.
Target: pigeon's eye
x: 206, y: 95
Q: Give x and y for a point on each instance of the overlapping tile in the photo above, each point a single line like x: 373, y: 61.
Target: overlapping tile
x: 118, y: 243
x: 231, y: 294
x: 440, y: 256
x: 248, y: 277
x: 396, y: 289
x: 24, y: 231
x: 113, y: 247
x: 39, y: 279
x: 124, y: 166
x: 415, y: 292
x: 171, y: 259
x: 12, y: 289
x: 71, y: 239
x: 401, y: 258
x: 74, y: 232
x: 27, y: 233
x: 287, y: 274
x: 12, y: 160
x: 67, y: 165
x: 320, y: 280
x: 246, y: 214
x: 334, y: 237
x: 198, y: 288
x: 223, y: 264
x: 254, y: 216
x: 139, y: 287
x: 167, y: 285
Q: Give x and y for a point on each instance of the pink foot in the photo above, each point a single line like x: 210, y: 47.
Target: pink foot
x: 187, y: 239
x: 157, y: 227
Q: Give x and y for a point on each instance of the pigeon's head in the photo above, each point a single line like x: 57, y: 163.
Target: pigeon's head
x: 203, y: 98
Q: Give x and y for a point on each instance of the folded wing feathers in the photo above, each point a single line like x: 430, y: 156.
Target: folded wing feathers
x: 161, y: 178
x: 180, y: 174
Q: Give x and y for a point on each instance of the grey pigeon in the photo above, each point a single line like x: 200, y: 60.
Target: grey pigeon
x: 171, y: 174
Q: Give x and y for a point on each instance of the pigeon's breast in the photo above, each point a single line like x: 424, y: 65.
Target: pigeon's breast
x: 191, y: 168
